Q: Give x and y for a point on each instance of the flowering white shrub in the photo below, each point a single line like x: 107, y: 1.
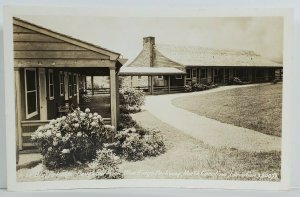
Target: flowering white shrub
x: 105, y: 166
x: 73, y: 138
x: 131, y: 100
x: 136, y: 144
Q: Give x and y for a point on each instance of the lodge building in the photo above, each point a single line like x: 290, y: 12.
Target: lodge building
x: 167, y: 68
x: 50, y: 72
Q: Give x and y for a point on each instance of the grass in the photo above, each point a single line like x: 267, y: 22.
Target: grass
x: 189, y: 158
x: 258, y: 107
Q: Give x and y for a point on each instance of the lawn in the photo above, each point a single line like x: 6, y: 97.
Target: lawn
x: 258, y: 107
x: 187, y: 157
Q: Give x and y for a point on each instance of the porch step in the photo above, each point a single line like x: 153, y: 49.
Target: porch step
x: 28, y: 151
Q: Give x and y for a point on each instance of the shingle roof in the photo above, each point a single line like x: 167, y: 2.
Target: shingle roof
x: 127, y: 71
x: 199, y: 56
x: 143, y: 60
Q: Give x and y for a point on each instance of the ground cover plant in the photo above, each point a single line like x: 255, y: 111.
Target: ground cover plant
x: 258, y: 107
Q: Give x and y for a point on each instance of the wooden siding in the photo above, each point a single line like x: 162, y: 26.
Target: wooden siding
x: 42, y: 54
x: 75, y: 63
x: 34, y: 49
x: 19, y: 24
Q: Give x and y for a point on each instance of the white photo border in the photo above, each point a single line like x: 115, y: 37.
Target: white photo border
x: 13, y: 185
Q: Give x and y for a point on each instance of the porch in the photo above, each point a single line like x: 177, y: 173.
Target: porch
x: 154, y: 80
x: 50, y: 71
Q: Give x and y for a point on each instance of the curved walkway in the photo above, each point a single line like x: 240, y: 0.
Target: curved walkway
x: 211, y: 132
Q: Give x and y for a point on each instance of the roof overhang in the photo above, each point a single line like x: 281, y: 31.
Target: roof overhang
x: 150, y: 71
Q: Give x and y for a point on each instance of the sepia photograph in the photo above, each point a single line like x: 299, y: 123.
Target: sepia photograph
x: 158, y: 98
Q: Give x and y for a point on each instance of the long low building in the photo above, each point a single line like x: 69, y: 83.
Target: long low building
x: 169, y: 67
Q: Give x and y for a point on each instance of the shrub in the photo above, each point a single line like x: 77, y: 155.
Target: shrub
x: 136, y: 144
x: 188, y: 88
x: 71, y: 139
x: 131, y: 100
x: 200, y: 87
x: 125, y: 121
x: 105, y: 166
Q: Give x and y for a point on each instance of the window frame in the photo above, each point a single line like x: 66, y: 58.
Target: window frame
x: 160, y: 77
x: 194, y: 71
x: 201, y: 73
x: 178, y: 76
x: 70, y: 85
x: 188, y: 73
x: 50, y: 71
x: 61, y: 83
x: 74, y: 82
x: 32, y: 114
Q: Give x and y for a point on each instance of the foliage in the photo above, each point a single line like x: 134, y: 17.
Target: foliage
x: 126, y: 121
x: 200, y: 87
x: 188, y: 88
x: 71, y: 139
x: 136, y: 144
x: 131, y: 100
x: 105, y: 166
x: 237, y: 81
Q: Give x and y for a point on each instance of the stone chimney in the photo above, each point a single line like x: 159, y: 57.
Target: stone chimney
x: 148, y: 46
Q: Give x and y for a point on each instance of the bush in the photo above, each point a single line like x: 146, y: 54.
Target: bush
x: 105, y: 166
x: 131, y: 100
x: 126, y: 121
x: 72, y: 139
x: 188, y: 88
x: 200, y: 87
x: 136, y: 144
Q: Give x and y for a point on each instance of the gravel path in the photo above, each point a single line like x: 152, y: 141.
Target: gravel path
x: 211, y: 132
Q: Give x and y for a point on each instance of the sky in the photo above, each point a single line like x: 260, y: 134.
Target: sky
x: 264, y: 35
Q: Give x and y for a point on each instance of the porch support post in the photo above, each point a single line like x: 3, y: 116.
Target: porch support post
x: 117, y: 99
x: 213, y: 75
x: 92, y: 83
x: 113, y: 96
x: 85, y: 83
x: 184, y: 80
x: 169, y: 84
x: 131, y: 81
x: 224, y: 71
x: 151, y: 87
x: 18, y: 113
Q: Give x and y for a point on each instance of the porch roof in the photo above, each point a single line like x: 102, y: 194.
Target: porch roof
x: 145, y: 71
x: 36, y: 46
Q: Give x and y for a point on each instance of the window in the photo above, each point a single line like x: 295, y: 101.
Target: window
x: 51, y: 84
x: 70, y: 85
x: 139, y: 77
x: 75, y: 84
x: 31, y: 92
x: 178, y: 77
x: 160, y: 77
x: 203, y: 73
x: 61, y: 83
x: 188, y: 73
x: 194, y: 73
